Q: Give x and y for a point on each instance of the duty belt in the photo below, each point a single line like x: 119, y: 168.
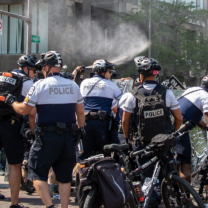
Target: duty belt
x: 54, y: 128
x: 95, y: 115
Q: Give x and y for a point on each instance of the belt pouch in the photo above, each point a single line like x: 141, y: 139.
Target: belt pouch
x: 74, y: 129
x: 102, y: 115
x: 60, y: 128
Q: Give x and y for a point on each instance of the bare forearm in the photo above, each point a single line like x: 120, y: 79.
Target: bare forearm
x: 125, y: 127
x: 206, y: 117
x: 125, y: 123
x: 32, y: 122
x: 75, y: 74
x: 20, y: 108
x: 81, y: 119
x: 177, y: 124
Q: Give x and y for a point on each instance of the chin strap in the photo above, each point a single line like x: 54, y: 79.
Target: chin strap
x: 48, y: 71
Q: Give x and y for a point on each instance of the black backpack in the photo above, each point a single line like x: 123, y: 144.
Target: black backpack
x: 151, y: 116
x: 10, y: 84
x: 113, y: 189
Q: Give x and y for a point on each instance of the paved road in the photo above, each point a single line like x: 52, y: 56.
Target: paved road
x: 33, y: 200
x: 29, y: 200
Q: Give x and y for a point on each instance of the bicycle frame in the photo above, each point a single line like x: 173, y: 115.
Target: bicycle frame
x: 159, y: 166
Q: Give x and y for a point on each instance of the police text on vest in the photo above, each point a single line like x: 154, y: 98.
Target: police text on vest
x: 154, y: 113
x: 9, y: 80
x: 61, y: 90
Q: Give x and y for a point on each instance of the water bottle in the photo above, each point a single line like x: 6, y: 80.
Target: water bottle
x: 146, y: 186
x: 80, y: 147
x: 57, y: 196
x: 140, y: 194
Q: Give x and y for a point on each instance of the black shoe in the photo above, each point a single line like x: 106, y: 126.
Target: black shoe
x: 2, y: 196
x: 18, y: 206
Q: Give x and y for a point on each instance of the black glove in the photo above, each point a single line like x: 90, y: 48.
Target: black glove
x: 10, y: 99
x: 81, y: 132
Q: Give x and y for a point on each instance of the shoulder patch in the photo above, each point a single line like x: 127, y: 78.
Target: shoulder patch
x: 26, y: 100
x: 31, y: 90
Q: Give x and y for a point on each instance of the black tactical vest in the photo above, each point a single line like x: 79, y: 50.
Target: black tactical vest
x: 151, y: 115
x: 9, y: 84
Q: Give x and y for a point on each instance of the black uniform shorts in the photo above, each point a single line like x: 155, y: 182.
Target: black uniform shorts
x: 58, y: 152
x: 97, y: 136
x: 11, y: 140
x: 183, y: 149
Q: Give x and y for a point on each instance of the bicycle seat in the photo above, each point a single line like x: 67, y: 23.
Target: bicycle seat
x: 115, y: 147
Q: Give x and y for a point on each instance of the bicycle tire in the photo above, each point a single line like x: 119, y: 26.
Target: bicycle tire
x: 93, y: 200
x: 27, y: 184
x: 179, y: 199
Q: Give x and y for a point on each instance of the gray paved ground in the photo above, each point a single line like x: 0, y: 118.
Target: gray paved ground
x: 29, y: 200
x: 33, y: 200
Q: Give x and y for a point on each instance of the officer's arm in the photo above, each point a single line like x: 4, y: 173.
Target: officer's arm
x: 178, y: 118
x: 125, y: 123
x: 32, y: 116
x: 115, y: 109
x: 206, y: 117
x: 76, y: 71
x: 80, y: 115
x: 22, y: 108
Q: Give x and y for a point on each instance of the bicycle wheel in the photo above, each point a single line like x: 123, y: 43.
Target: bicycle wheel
x: 174, y: 196
x: 93, y: 200
x: 27, y: 184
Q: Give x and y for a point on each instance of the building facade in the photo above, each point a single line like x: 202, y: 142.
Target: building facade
x: 63, y: 25
x: 66, y: 26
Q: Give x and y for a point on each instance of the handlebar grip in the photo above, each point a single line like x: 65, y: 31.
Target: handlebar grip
x: 185, y: 127
x: 133, y: 154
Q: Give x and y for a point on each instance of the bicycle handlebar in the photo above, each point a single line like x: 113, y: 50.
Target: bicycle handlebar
x: 146, y: 152
x: 185, y: 127
x: 140, y: 152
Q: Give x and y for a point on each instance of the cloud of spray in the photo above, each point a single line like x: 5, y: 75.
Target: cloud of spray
x: 132, y: 41
x: 119, y: 44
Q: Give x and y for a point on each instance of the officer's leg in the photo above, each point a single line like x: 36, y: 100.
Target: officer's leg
x: 102, y: 136
x: 183, y: 149
x: 89, y: 140
x: 63, y: 168
x: 114, y: 137
x: 13, y: 145
x: 14, y: 182
x: 64, y: 191
x: 42, y: 189
x: 41, y: 159
x: 185, y: 172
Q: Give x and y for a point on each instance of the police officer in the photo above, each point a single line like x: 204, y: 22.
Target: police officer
x: 99, y: 93
x: 148, y: 69
x: 57, y: 100
x: 193, y: 104
x: 10, y: 126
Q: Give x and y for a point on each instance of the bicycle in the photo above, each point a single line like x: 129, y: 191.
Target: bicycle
x: 173, y: 187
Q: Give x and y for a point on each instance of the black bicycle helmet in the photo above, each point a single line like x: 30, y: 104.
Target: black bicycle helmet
x: 102, y: 65
x: 146, y: 65
x: 205, y: 81
x: 27, y: 60
x: 52, y: 58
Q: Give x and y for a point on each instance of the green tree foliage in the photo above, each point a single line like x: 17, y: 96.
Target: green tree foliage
x: 178, y: 41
